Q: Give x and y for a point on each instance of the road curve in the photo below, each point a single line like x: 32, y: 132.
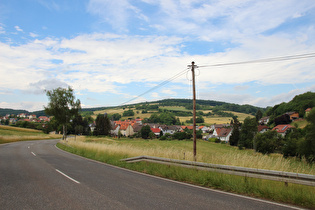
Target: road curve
x: 37, y: 175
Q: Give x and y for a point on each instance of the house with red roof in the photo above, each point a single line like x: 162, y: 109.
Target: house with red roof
x: 44, y: 118
x: 115, y: 130
x: 283, y: 129
x: 189, y: 127
x: 262, y: 128
x: 126, y: 129
x: 156, y: 131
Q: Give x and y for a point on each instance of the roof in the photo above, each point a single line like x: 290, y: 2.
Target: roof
x: 223, y: 132
x: 189, y: 127
x: 155, y: 130
x: 262, y: 127
x: 264, y: 118
x: 221, y: 125
x: 308, y: 109
x: 124, y: 126
x: 282, y: 128
x: 137, y: 127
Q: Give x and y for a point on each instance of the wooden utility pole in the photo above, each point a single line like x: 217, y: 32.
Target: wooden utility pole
x: 194, y: 108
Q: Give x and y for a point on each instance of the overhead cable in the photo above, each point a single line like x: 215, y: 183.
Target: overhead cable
x: 157, y: 86
x: 284, y: 58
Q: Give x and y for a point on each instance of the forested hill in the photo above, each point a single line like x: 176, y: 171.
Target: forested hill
x: 3, y: 112
x: 298, y: 104
x: 209, y: 104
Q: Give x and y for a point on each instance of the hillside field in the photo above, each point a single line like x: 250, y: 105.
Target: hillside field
x: 209, y: 120
x: 12, y: 134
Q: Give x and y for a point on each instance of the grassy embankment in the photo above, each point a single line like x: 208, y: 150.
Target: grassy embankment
x: 10, y: 134
x: 112, y: 151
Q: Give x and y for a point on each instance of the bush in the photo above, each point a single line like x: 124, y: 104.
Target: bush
x: 163, y: 138
x: 267, y: 142
x: 217, y: 140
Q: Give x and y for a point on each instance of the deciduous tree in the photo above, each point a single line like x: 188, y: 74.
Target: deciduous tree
x: 63, y: 106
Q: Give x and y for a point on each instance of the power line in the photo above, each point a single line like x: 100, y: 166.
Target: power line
x: 157, y: 86
x: 275, y: 59
x: 284, y: 58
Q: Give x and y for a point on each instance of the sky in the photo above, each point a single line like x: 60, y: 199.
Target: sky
x: 112, y: 52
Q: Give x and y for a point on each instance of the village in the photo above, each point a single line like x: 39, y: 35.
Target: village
x: 130, y: 127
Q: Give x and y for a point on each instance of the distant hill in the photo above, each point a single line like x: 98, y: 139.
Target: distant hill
x: 210, y: 104
x: 200, y: 105
x: 298, y: 104
x: 187, y: 103
x: 4, y: 112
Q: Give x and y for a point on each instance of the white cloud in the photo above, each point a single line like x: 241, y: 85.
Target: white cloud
x: 33, y: 35
x: 49, y: 4
x: 225, y: 19
x: 255, y: 99
x: 25, y: 105
x: 43, y: 85
x: 101, y: 62
x: 18, y: 28
x: 116, y: 13
x: 155, y: 95
x: 2, y: 30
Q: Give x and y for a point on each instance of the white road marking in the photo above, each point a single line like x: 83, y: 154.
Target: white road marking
x: 33, y: 153
x: 68, y: 176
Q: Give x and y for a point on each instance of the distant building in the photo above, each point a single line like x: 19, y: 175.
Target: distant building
x: 283, y: 129
x: 262, y: 128
x: 264, y: 120
x: 223, y: 133
x: 293, y: 115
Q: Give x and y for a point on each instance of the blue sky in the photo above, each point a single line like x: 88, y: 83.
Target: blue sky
x: 110, y: 52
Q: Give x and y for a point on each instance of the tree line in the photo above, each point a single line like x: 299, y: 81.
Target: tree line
x: 297, y: 142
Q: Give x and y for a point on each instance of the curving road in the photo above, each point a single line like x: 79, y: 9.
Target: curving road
x: 37, y: 175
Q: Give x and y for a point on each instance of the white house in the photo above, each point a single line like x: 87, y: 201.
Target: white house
x: 223, y: 133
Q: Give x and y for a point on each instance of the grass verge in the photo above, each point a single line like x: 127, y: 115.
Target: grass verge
x: 299, y: 195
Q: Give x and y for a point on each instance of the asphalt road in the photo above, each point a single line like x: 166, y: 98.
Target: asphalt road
x: 37, y: 175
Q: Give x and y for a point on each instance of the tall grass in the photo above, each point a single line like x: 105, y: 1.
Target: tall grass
x: 109, y: 151
x: 207, y: 152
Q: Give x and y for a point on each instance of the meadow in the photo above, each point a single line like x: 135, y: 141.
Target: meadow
x: 207, y: 152
x: 112, y: 150
x: 10, y: 134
